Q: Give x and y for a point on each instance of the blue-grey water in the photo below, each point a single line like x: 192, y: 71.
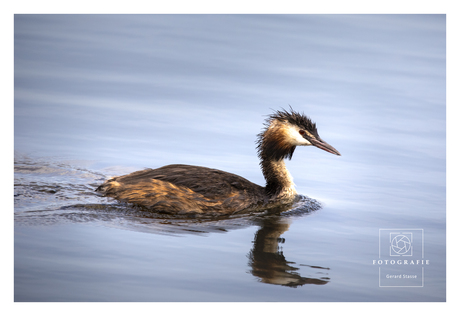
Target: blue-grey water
x: 104, y: 95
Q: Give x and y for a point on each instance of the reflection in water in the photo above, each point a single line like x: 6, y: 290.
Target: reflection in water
x: 268, y: 262
x: 51, y: 193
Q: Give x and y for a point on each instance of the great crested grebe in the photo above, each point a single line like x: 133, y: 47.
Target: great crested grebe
x: 184, y: 189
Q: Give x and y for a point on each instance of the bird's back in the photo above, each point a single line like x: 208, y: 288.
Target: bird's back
x: 185, y: 189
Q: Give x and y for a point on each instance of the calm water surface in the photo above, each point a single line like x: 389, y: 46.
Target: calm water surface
x: 98, y: 96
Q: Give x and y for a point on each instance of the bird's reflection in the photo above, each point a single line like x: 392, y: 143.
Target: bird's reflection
x: 268, y: 263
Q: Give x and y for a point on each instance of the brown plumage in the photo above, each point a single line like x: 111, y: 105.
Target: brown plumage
x: 184, y: 189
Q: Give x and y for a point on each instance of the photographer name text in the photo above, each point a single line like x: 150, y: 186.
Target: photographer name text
x: 401, y: 262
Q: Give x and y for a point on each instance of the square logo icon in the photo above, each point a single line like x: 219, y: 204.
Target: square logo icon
x: 401, y: 244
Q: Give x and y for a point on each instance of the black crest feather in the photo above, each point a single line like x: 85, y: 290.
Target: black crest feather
x: 295, y: 118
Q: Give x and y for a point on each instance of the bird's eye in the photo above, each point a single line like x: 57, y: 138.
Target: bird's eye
x: 302, y: 132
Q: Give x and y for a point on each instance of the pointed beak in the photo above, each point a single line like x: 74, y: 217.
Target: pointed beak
x: 324, y: 146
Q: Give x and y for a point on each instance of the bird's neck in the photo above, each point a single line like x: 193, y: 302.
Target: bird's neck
x: 280, y: 184
x: 273, y: 148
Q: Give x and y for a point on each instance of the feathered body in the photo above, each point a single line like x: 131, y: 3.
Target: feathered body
x: 185, y: 189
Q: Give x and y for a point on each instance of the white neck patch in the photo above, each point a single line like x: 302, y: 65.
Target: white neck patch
x: 294, y: 137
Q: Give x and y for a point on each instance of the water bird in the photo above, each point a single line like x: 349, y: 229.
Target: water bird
x: 186, y: 189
